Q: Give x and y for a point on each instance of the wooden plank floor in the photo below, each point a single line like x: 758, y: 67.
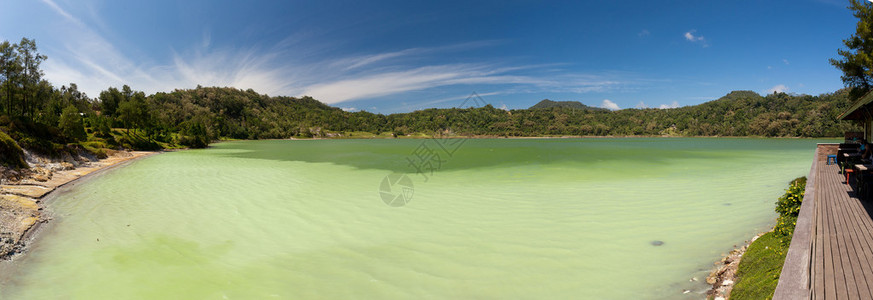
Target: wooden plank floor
x: 842, y: 248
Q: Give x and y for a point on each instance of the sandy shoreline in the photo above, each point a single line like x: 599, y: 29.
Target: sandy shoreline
x: 21, y: 202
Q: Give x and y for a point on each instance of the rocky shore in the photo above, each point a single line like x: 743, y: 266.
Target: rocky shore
x: 21, y: 192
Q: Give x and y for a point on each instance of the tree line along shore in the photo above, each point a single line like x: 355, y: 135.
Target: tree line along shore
x: 43, y: 119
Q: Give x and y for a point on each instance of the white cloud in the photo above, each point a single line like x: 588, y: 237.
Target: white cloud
x: 349, y: 109
x: 690, y: 36
x: 781, y: 88
x: 675, y: 104
x: 641, y: 105
x: 785, y: 61
x: 609, y: 105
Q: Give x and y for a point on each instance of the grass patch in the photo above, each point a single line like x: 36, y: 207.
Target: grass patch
x: 758, y: 272
x: 11, y: 154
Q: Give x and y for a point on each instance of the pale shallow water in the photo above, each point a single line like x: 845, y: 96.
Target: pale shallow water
x: 541, y: 218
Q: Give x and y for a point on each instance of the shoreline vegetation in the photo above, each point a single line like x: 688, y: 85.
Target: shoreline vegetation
x: 752, y: 270
x: 21, y: 207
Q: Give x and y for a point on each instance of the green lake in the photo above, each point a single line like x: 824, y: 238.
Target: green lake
x: 485, y: 219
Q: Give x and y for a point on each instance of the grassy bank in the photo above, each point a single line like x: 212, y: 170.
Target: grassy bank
x: 759, y: 269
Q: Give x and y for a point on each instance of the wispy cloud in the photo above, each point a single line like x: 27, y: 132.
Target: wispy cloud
x: 88, y: 59
x: 641, y: 105
x: 54, y: 6
x: 375, y: 85
x: 643, y: 33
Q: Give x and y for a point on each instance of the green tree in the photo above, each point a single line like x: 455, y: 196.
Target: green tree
x: 857, y: 59
x: 135, y: 112
x: 31, y: 73
x: 109, y: 100
x: 10, y: 69
x: 71, y: 125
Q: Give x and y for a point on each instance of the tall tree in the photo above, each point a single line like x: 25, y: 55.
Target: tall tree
x: 109, y: 101
x: 9, y: 70
x: 857, y: 59
x: 30, y: 59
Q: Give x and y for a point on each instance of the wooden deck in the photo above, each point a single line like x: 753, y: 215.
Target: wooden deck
x: 831, y: 255
x: 841, y: 265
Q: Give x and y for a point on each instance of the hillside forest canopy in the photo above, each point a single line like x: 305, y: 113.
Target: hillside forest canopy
x: 46, y: 119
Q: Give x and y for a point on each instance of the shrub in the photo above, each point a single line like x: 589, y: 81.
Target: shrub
x: 788, y: 207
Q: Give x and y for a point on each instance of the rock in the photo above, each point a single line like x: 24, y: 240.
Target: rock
x: 727, y: 282
x: 657, y: 243
x: 718, y: 298
x: 41, y: 174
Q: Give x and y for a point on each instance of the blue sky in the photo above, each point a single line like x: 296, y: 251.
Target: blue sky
x: 398, y: 56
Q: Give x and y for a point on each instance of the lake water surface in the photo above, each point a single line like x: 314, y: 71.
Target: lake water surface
x: 498, y: 219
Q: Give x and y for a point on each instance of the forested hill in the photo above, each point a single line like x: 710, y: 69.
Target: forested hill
x: 229, y: 112
x: 546, y: 103
x: 740, y: 113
